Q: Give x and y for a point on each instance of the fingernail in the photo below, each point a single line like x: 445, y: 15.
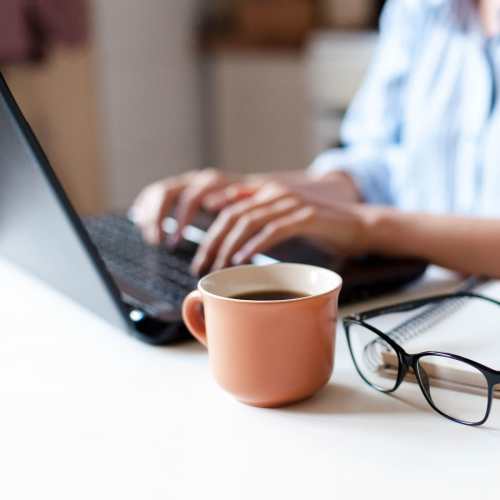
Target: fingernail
x: 237, y: 259
x: 216, y: 267
x: 132, y: 214
x: 194, y: 268
x: 196, y: 265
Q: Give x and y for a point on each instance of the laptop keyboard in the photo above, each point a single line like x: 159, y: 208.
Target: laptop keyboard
x: 163, y: 274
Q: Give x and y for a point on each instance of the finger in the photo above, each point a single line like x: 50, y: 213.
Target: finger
x: 135, y: 209
x: 218, y: 200
x: 189, y: 203
x: 151, y: 234
x: 151, y: 208
x: 220, y: 228
x: 271, y: 191
x: 249, y: 225
x: 294, y: 224
x: 138, y: 212
x: 144, y: 208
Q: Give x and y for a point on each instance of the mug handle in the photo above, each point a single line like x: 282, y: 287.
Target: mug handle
x: 193, y: 317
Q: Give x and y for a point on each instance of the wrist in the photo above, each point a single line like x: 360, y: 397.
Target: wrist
x: 342, y: 185
x: 381, y: 229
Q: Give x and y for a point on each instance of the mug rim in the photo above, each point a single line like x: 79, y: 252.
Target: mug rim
x: 276, y: 301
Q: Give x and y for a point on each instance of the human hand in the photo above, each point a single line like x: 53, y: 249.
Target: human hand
x: 273, y: 214
x: 209, y: 188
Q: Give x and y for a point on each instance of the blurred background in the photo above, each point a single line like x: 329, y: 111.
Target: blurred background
x: 123, y: 92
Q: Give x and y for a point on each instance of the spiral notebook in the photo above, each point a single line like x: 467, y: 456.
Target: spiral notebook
x: 468, y: 327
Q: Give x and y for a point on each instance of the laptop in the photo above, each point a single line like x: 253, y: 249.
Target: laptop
x: 102, y: 262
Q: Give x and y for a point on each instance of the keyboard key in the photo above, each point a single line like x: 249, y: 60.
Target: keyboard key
x: 156, y: 270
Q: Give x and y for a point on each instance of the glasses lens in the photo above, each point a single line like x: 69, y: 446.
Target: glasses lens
x: 442, y: 377
x: 376, y: 361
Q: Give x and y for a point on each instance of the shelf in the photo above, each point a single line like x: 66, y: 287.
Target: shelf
x: 324, y: 36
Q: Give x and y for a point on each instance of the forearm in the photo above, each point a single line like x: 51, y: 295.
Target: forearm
x: 466, y: 244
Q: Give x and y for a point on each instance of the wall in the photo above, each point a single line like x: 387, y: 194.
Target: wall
x: 262, y: 114
x: 149, y: 92
x: 58, y: 99
x: 336, y: 67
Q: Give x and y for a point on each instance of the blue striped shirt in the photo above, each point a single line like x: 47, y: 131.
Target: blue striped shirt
x: 423, y: 132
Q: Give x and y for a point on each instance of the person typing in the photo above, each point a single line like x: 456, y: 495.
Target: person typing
x: 417, y: 175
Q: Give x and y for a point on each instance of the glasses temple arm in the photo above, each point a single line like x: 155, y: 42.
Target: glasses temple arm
x: 415, y: 304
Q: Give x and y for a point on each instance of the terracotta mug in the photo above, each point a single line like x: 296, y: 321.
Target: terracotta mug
x: 267, y: 353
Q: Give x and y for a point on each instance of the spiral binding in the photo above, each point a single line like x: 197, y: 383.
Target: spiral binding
x: 432, y: 314
x: 425, y: 320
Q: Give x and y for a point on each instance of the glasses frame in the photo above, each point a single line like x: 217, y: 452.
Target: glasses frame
x: 410, y: 361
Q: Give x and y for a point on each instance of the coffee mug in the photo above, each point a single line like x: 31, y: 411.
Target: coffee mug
x: 267, y: 353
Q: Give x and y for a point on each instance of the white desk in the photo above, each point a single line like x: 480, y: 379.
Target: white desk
x: 88, y: 412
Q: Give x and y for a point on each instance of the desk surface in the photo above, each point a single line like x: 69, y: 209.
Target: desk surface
x: 88, y: 412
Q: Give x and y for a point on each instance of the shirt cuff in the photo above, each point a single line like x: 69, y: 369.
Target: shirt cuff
x: 369, y: 174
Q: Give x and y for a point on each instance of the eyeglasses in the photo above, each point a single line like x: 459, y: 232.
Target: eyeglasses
x: 383, y: 364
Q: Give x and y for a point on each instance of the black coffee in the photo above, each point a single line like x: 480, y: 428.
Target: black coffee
x: 269, y: 295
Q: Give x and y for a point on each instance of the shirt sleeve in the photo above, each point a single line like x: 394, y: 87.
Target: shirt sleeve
x: 371, y: 129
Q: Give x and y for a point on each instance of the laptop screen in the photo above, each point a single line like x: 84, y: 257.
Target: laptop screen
x: 39, y: 230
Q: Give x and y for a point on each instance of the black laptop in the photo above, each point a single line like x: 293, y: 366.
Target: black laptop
x: 102, y: 262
